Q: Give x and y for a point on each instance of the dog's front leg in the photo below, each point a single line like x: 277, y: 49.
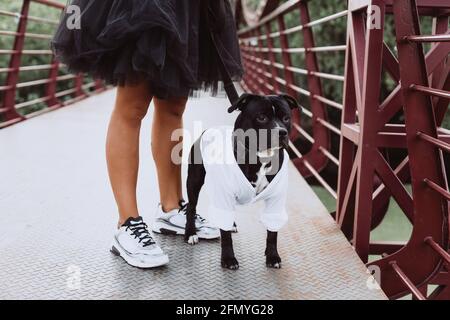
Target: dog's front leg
x: 273, y: 259
x: 194, y: 183
x: 190, y: 235
x: 228, y: 260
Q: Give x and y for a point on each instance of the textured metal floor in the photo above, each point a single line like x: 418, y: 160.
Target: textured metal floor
x: 57, y: 217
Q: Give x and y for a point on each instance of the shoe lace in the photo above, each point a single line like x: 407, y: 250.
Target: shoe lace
x: 183, y: 208
x: 140, y: 231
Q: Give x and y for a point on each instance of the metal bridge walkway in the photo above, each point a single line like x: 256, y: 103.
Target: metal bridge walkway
x: 58, y: 215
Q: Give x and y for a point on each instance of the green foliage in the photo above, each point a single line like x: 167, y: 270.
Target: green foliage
x: 9, y: 23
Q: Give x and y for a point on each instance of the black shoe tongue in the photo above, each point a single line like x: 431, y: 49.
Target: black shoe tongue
x: 131, y: 221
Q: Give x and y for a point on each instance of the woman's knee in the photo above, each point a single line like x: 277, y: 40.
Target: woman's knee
x: 132, y: 104
x: 135, y: 110
x: 172, y: 107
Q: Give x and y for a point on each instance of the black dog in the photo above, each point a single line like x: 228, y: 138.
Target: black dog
x: 269, y: 114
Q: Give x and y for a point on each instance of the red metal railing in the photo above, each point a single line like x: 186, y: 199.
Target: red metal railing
x: 265, y: 74
x: 10, y: 108
x: 366, y: 177
x: 371, y: 132
x: 368, y: 133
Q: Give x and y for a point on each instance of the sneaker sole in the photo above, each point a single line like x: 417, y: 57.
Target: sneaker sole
x: 163, y: 228
x: 117, y: 250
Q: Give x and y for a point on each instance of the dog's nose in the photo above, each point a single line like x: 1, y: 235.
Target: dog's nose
x: 282, y: 132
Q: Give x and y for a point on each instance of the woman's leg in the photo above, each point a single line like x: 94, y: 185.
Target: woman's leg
x: 168, y: 116
x: 122, y: 146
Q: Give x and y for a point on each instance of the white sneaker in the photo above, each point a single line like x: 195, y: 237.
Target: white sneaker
x: 174, y: 223
x: 135, y: 244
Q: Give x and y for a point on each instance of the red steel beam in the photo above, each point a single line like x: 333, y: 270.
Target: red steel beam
x: 50, y: 3
x: 429, y: 38
x: 51, y: 86
x: 425, y: 165
x: 272, y: 57
x: 444, y: 254
x: 408, y: 283
x: 430, y: 91
x: 320, y: 133
x: 370, y: 44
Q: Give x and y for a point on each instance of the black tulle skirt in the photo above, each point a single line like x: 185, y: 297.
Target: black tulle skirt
x: 164, y: 42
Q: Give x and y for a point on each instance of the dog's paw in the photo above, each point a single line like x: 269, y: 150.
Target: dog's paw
x: 192, y: 240
x: 190, y: 236
x: 273, y: 262
x: 230, y: 263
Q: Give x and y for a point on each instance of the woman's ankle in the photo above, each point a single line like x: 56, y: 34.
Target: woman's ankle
x: 123, y: 219
x: 168, y: 206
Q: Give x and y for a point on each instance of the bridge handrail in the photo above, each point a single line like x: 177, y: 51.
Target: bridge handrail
x: 10, y: 109
x: 262, y: 76
x: 366, y: 180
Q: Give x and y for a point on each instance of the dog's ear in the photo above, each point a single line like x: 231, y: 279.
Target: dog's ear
x: 292, y: 102
x: 244, y: 99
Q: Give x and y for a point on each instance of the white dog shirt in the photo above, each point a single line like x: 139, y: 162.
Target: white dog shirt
x: 227, y: 185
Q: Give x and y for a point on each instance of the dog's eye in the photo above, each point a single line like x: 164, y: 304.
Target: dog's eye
x: 286, y: 119
x: 262, y: 118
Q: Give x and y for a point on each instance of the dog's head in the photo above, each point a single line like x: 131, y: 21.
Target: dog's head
x: 269, y: 116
